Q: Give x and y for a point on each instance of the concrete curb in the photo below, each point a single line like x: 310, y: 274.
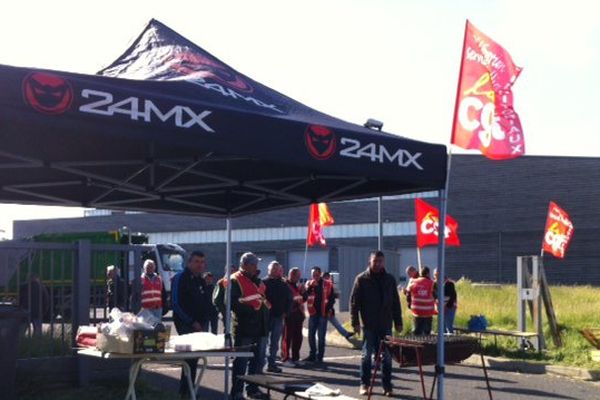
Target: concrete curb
x: 506, y: 364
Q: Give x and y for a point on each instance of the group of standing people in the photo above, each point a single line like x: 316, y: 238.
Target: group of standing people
x: 269, y: 314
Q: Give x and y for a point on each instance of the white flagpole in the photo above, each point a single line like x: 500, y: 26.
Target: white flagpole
x: 419, y: 262
x: 442, y: 235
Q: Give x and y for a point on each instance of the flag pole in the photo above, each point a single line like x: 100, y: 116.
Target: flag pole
x: 439, y: 368
x: 305, y: 257
x: 419, y: 257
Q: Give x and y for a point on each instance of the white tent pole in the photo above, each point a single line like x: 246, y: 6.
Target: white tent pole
x: 227, y: 320
x: 380, y: 223
x: 440, y: 366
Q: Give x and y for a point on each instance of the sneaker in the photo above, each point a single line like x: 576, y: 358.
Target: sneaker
x: 258, y: 395
x: 309, y: 359
x: 288, y: 364
x: 364, y: 390
x: 274, y: 368
x: 388, y: 392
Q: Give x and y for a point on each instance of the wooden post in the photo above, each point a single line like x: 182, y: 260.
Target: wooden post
x: 545, y: 291
x: 537, y: 304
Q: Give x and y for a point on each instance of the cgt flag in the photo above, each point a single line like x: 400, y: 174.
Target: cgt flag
x: 319, y: 217
x: 427, y: 219
x: 484, y: 117
x: 558, y: 233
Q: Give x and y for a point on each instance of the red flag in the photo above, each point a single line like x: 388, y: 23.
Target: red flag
x: 319, y: 217
x: 558, y: 232
x: 484, y: 117
x: 427, y: 218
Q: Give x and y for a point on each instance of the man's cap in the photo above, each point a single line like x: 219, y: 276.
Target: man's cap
x: 249, y: 258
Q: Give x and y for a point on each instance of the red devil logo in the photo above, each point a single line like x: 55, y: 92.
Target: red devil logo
x: 47, y: 93
x: 320, y: 141
x: 197, y: 65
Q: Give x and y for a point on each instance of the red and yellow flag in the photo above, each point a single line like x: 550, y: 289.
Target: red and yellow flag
x: 558, y: 232
x: 319, y: 217
x: 427, y: 218
x: 484, y: 117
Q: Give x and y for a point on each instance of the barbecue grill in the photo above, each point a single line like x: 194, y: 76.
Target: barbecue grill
x: 411, y: 351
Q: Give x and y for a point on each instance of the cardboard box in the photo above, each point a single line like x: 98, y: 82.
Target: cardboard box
x: 138, y: 342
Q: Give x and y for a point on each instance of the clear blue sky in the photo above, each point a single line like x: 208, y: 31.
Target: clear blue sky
x: 396, y: 61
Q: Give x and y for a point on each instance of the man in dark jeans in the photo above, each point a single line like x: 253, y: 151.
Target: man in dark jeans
x: 279, y: 295
x: 375, y: 298
x: 190, y: 306
x: 250, y: 311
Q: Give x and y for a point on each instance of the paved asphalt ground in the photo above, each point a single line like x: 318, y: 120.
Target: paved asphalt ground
x: 342, y: 371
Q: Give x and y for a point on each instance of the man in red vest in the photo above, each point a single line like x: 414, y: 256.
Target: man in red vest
x: 250, y: 309
x: 320, y: 300
x: 422, y: 302
x: 292, y: 332
x: 152, y: 288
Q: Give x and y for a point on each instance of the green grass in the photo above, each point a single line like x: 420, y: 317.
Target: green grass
x: 575, y: 307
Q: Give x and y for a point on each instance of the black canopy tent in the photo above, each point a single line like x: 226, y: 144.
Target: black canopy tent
x: 170, y: 128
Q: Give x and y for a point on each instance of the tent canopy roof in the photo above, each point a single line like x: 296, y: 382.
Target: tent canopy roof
x: 168, y: 127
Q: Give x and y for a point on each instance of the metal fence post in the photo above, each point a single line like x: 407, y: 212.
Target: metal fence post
x: 81, y: 302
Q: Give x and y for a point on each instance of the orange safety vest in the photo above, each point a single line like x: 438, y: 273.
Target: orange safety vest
x: 252, y: 295
x: 310, y: 302
x: 422, y: 301
x: 151, y: 292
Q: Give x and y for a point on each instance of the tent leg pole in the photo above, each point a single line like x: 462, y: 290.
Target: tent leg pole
x: 227, y: 320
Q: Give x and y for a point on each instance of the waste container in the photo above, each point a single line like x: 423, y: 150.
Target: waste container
x: 13, y: 320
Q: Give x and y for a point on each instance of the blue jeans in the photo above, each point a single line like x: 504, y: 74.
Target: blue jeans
x: 449, y: 314
x: 371, y: 341
x: 275, y: 331
x: 243, y: 365
x: 317, y: 325
x: 156, y: 313
x: 337, y: 325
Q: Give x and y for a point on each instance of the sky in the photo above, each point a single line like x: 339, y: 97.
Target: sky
x: 395, y: 61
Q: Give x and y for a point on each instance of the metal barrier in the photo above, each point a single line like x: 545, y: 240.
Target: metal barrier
x: 63, y: 286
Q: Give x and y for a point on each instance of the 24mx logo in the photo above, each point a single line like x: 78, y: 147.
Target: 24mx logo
x: 144, y: 109
x: 379, y: 153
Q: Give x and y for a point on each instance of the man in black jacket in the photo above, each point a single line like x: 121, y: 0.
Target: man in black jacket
x: 279, y: 295
x: 190, y: 305
x: 375, y: 298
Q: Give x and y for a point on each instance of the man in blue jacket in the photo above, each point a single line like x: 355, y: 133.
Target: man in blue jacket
x: 190, y: 305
